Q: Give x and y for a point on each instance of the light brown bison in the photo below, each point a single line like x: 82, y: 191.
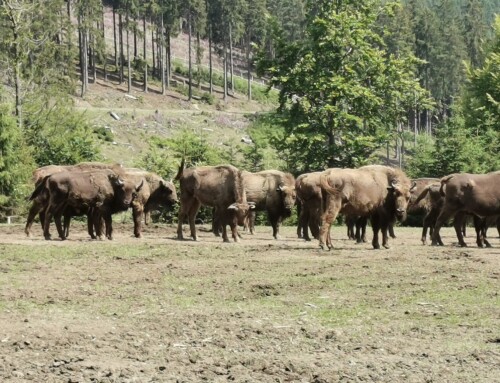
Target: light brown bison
x: 309, y: 202
x: 272, y: 191
x: 477, y: 194
x: 101, y: 190
x: 40, y: 202
x: 220, y: 187
x: 379, y: 192
x: 154, y: 193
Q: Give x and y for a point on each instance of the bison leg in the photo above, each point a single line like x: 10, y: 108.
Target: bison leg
x: 183, y: 214
x: 333, y: 205
x: 275, y: 224
x: 376, y: 228
x: 458, y: 225
x: 137, y: 214
x: 303, y: 226
x: 360, y: 234
x: 391, y: 231
x: 51, y: 211
x: 443, y: 217
x: 36, y: 208
x: 195, y: 206
x: 108, y: 222
x: 90, y: 224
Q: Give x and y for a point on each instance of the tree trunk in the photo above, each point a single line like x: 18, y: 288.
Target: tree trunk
x: 153, y: 73
x: 161, y: 53
x: 231, y: 56
x: 114, y: 38
x: 129, y: 65
x: 190, y: 64
x: 210, y: 75
x: 122, y: 57
x: 168, y: 57
x: 105, y: 67
x: 144, y: 53
x: 224, y: 59
x: 249, y: 68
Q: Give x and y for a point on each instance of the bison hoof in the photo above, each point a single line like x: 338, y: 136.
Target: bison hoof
x: 376, y: 246
x: 463, y: 244
x: 386, y: 246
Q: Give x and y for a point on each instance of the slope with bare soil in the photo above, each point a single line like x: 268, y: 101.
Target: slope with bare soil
x: 163, y: 310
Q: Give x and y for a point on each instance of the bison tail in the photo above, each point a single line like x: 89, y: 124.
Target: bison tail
x: 38, y: 188
x: 422, y: 195
x: 325, y: 185
x: 181, y: 169
x: 444, y: 181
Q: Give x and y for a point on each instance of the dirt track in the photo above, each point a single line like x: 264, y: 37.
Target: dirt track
x: 162, y: 310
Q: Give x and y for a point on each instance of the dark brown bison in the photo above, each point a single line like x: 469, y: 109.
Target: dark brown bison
x: 220, y: 187
x: 101, y: 190
x: 40, y: 202
x: 379, y: 192
x: 477, y: 194
x: 309, y: 202
x: 272, y: 191
x: 154, y: 193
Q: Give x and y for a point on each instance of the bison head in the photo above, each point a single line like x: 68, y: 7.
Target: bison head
x: 288, y: 196
x: 241, y: 209
x: 125, y: 191
x: 401, y: 196
x: 169, y: 192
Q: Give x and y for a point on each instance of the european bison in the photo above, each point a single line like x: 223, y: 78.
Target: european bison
x: 379, y: 192
x: 101, y: 190
x: 309, y: 202
x: 40, y: 202
x: 477, y: 194
x: 220, y: 187
x: 154, y: 193
x: 272, y: 191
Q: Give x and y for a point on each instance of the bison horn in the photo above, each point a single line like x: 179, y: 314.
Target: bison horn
x: 139, y: 187
x: 251, y: 205
x: 119, y: 181
x: 413, y: 186
x: 233, y: 206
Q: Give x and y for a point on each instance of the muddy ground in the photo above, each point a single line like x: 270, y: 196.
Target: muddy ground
x: 161, y: 310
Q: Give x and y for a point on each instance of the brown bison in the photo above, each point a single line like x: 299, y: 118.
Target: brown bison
x: 154, y: 193
x: 379, y: 192
x: 40, y: 202
x: 309, y: 202
x: 272, y: 191
x: 101, y: 190
x: 477, y: 194
x: 220, y: 187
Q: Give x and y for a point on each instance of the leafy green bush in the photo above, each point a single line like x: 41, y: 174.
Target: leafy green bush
x: 16, y: 164
x: 103, y: 133
x: 61, y: 136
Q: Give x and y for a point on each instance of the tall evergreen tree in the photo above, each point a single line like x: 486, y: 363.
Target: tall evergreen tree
x: 340, y: 92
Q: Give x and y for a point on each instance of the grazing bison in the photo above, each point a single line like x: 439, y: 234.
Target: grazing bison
x: 431, y: 201
x: 309, y: 202
x: 463, y: 193
x: 154, y: 193
x: 102, y: 191
x: 272, y: 191
x: 220, y: 187
x: 379, y: 192
x: 40, y: 202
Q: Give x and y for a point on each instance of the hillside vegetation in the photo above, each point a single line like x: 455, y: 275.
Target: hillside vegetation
x: 143, y: 83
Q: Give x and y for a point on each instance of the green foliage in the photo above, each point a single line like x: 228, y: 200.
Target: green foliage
x: 340, y: 93
x: 16, y: 164
x: 60, y: 135
x: 103, y: 133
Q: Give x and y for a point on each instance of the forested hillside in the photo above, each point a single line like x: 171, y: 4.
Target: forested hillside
x: 413, y: 83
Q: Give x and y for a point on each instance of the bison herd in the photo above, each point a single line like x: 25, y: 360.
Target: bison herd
x: 381, y: 194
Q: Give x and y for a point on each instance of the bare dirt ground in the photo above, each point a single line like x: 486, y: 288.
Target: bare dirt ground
x: 161, y: 310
